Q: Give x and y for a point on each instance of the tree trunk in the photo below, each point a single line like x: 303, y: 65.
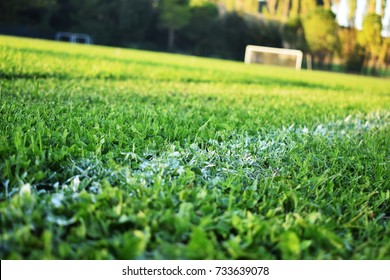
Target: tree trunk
x: 295, y: 8
x: 286, y: 9
x: 309, y: 61
x: 330, y: 61
x: 365, y: 66
x: 271, y: 4
x: 374, y: 65
x: 171, y: 39
x: 321, y: 60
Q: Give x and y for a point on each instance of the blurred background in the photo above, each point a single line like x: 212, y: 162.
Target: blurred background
x: 339, y: 35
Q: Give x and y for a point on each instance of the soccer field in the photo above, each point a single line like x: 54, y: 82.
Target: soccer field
x: 109, y: 153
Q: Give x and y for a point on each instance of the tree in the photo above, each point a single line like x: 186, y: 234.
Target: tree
x: 370, y: 38
x: 174, y: 14
x: 321, y: 34
x: 241, y: 6
x: 295, y: 8
x: 287, y: 9
x: 112, y: 22
x: 135, y: 17
x: 235, y: 31
x: 307, y: 7
x: 352, y: 53
x: 24, y: 11
x: 385, y: 53
x: 352, y: 4
x: 201, y: 29
x: 271, y: 7
x: 283, y: 9
x: 293, y: 34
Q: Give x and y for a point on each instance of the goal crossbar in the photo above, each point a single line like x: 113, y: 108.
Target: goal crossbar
x: 297, y: 53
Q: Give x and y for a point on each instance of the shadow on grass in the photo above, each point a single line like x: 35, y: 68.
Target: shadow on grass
x: 263, y: 81
x: 185, y: 77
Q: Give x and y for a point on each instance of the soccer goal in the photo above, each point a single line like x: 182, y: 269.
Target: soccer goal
x: 74, y: 38
x: 273, y: 56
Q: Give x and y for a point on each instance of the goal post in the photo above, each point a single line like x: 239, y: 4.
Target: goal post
x: 273, y: 56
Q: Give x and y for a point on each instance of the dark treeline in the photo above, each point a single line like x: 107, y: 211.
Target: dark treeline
x: 216, y: 28
x: 174, y: 25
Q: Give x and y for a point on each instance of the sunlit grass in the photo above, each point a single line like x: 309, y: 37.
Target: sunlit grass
x: 110, y: 154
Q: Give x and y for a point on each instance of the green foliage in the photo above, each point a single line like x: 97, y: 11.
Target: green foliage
x: 352, y: 52
x: 108, y: 21
x: 202, y: 28
x: 370, y: 37
x: 384, y: 56
x: 293, y: 34
x: 25, y: 11
x: 174, y: 14
x: 226, y: 35
x: 135, y: 19
x: 307, y: 7
x: 321, y: 31
x: 109, y: 153
x: 321, y: 35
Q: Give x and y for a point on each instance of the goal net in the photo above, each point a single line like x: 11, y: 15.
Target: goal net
x: 273, y: 56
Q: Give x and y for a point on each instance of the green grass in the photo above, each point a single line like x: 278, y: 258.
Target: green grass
x: 121, y: 154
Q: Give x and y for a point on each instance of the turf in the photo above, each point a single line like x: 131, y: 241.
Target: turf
x: 110, y: 153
